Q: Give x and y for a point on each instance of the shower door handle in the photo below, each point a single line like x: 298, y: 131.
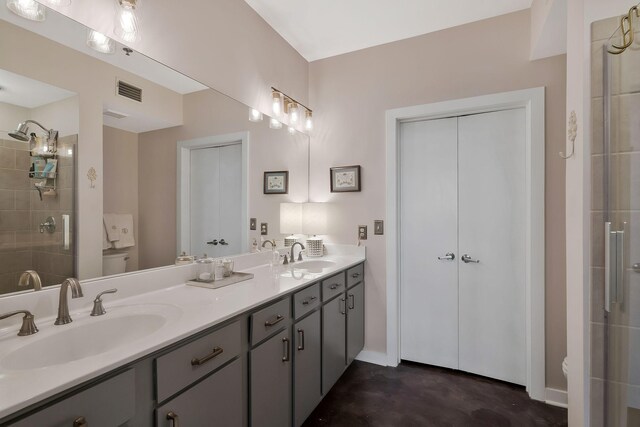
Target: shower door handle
x: 613, y: 266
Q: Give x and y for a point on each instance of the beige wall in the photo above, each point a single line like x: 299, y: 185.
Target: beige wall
x: 209, y: 113
x: 120, y: 163
x: 350, y: 93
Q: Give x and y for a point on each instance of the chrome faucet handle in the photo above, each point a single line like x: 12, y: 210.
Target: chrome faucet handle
x: 98, y: 308
x: 63, y: 306
x: 286, y: 260
x: 300, y: 256
x: 30, y: 276
x: 28, y: 325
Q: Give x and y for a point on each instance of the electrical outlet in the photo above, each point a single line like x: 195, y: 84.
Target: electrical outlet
x: 362, y: 232
x: 253, y: 223
x: 264, y: 228
x: 378, y: 227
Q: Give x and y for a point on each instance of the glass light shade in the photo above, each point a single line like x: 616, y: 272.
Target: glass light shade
x: 314, y: 218
x: 274, y: 124
x: 308, y: 122
x: 290, y: 218
x: 292, y: 130
x: 294, y: 113
x: 126, y: 26
x: 255, y: 115
x: 56, y: 3
x: 276, y: 105
x: 99, y: 42
x: 29, y: 9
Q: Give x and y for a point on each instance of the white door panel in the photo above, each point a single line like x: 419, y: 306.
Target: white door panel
x: 203, y: 198
x: 428, y: 211
x: 230, y: 199
x: 492, y: 208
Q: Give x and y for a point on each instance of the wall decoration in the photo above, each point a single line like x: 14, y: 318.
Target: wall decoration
x: 92, y: 176
x: 345, y: 179
x: 276, y: 182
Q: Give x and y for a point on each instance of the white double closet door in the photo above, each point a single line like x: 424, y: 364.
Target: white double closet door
x: 462, y: 189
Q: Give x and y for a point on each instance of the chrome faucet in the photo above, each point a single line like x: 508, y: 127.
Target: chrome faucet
x: 291, y: 258
x: 63, y: 307
x: 30, y: 276
x: 98, y: 308
x: 28, y: 325
x: 273, y: 243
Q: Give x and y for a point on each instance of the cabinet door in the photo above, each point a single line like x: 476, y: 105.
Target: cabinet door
x: 355, y: 321
x: 334, y: 341
x: 215, y: 401
x: 308, y: 391
x: 271, y: 382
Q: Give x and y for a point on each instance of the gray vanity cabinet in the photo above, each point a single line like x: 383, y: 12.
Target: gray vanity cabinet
x: 217, y: 400
x: 307, y: 359
x: 355, y: 321
x: 106, y: 404
x: 270, y: 371
x: 333, y: 341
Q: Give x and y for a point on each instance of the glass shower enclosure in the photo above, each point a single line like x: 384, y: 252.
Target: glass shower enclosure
x: 615, y: 223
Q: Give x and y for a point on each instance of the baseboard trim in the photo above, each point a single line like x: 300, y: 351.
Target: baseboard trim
x: 374, y: 357
x: 556, y: 397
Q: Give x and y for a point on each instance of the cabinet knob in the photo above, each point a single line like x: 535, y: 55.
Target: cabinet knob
x: 80, y: 422
x: 172, y: 416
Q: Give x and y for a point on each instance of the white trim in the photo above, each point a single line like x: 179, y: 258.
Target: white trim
x: 374, y: 357
x: 556, y: 397
x: 533, y: 101
x: 183, y: 172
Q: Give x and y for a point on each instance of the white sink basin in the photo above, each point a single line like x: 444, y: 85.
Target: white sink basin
x: 314, y: 265
x: 89, y: 336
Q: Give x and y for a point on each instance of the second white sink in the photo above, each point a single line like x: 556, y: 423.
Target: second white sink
x: 314, y: 265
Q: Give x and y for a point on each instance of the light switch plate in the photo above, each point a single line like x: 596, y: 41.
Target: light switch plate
x: 253, y: 223
x: 378, y: 227
x: 362, y: 232
x: 264, y: 228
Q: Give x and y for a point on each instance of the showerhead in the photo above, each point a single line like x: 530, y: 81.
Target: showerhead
x: 21, y: 133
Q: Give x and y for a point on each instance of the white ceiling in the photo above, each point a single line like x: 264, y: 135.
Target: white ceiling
x: 320, y: 29
x: 27, y: 93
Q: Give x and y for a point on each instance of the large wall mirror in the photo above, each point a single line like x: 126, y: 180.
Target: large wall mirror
x: 113, y: 161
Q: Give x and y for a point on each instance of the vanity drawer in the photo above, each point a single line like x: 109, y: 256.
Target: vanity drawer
x: 355, y: 275
x: 183, y: 366
x: 106, y: 404
x: 332, y: 286
x: 306, y: 300
x: 270, y: 320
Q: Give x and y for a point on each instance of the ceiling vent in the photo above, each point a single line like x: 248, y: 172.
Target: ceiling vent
x: 129, y: 91
x: 115, y: 114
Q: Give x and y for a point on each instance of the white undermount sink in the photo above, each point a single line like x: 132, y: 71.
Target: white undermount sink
x: 89, y: 336
x: 314, y: 265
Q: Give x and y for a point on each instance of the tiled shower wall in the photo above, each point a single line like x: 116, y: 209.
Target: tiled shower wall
x: 22, y: 246
x: 615, y: 355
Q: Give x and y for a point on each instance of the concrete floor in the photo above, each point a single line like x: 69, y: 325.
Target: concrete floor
x: 420, y: 395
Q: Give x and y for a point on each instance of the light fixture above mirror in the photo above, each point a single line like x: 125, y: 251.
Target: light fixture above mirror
x: 126, y: 25
x: 99, y: 42
x: 283, y: 104
x: 28, y: 9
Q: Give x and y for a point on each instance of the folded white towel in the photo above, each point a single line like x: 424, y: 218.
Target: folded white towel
x: 125, y: 223
x: 106, y: 244
x: 112, y: 225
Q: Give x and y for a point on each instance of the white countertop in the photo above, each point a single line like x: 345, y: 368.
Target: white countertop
x: 192, y: 310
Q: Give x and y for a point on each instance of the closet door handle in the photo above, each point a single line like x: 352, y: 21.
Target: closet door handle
x: 467, y: 259
x: 448, y: 257
x: 214, y: 242
x: 172, y: 416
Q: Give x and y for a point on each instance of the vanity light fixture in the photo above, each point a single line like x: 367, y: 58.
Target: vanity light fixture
x: 99, y: 42
x: 292, y: 108
x: 126, y: 26
x: 275, y: 124
x: 29, y: 9
x: 292, y: 130
x: 255, y: 115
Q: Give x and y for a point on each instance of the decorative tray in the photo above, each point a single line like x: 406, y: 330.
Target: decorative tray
x: 236, y: 277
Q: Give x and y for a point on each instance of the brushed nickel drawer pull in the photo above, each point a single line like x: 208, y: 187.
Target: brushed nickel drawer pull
x: 334, y: 286
x: 355, y: 275
x: 172, y: 416
x: 287, y: 355
x: 343, y: 311
x: 307, y: 301
x: 301, y: 339
x: 279, y: 318
x: 217, y: 351
x: 352, y: 301
x: 80, y: 422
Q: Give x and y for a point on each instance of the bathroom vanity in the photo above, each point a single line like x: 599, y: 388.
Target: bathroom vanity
x: 262, y: 352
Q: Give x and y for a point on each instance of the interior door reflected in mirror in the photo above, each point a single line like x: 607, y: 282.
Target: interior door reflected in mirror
x: 162, y: 139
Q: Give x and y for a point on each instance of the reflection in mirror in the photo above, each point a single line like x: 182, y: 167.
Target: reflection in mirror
x: 163, y: 164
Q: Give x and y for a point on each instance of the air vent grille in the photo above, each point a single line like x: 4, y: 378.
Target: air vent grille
x: 129, y: 91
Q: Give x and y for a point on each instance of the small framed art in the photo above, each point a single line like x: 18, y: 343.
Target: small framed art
x: 345, y: 179
x: 276, y: 182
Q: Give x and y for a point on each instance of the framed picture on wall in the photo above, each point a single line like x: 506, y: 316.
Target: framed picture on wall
x: 345, y: 179
x: 276, y: 182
